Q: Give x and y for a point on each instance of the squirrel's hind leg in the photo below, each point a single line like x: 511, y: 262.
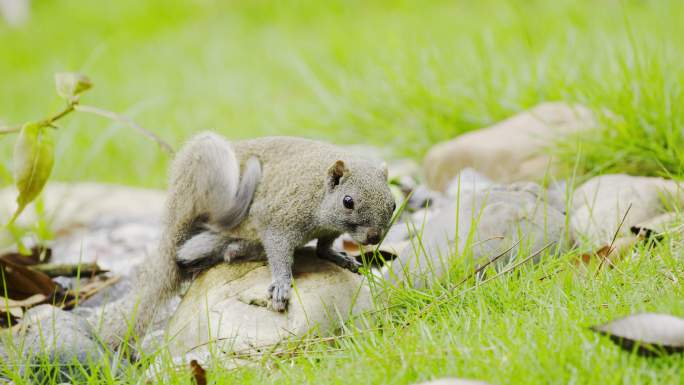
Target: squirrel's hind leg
x: 325, y: 251
x: 209, y: 248
x: 201, y: 251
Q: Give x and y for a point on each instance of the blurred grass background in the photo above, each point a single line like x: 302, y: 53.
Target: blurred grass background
x: 399, y: 74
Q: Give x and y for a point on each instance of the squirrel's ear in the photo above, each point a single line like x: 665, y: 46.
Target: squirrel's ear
x: 383, y: 167
x: 335, y: 172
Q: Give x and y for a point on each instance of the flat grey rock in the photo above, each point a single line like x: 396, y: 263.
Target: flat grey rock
x: 480, y: 224
x: 225, y: 306
x: 72, y: 206
x: 49, y: 334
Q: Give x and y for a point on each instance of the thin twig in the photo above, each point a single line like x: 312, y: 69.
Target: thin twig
x: 489, y: 262
x: 612, y: 242
x: 518, y: 264
x: 47, y: 122
x: 90, y: 290
x: 445, y: 296
x: 127, y: 121
x: 9, y: 130
x: 69, y: 108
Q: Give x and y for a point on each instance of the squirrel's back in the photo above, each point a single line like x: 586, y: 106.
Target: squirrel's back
x: 294, y: 175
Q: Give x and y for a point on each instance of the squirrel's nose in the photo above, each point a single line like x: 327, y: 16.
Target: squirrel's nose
x: 373, y: 236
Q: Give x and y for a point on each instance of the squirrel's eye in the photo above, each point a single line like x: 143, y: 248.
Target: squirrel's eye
x: 348, y: 202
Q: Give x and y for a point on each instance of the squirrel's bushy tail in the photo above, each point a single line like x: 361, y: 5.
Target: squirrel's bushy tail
x: 204, y: 187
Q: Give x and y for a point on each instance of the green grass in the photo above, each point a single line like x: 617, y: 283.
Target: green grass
x: 402, y: 75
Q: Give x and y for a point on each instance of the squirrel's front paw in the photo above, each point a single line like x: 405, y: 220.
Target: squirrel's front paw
x: 279, y: 291
x: 341, y: 259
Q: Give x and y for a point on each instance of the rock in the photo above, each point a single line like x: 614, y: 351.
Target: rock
x: 69, y: 206
x: 467, y: 179
x: 47, y: 332
x: 402, y: 168
x: 225, y: 305
x: 15, y: 12
x: 600, y: 204
x: 114, y: 226
x: 489, y: 221
x: 116, y: 245
x: 512, y: 150
x: 422, y: 197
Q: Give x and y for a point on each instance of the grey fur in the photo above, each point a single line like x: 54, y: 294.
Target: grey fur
x: 201, y: 251
x: 237, y: 212
x: 296, y: 188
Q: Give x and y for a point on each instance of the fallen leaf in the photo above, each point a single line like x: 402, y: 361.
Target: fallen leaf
x: 648, y: 334
x: 199, y: 375
x: 385, y: 252
x: 610, y: 254
x: 69, y: 269
x: 20, y: 282
x: 11, y: 310
x: 25, y: 303
x: 39, y: 254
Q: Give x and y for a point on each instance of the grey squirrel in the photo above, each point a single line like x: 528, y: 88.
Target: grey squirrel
x: 291, y: 191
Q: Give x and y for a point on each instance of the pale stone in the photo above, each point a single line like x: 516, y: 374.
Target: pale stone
x: 480, y: 224
x: 224, y: 306
x: 512, y: 150
x: 601, y: 203
x: 69, y: 207
x: 15, y: 12
x: 60, y: 336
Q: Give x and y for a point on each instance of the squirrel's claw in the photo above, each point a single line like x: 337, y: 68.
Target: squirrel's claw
x: 279, y: 291
x: 341, y: 259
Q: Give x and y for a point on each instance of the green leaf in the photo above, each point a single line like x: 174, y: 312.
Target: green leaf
x: 70, y: 84
x: 33, y: 160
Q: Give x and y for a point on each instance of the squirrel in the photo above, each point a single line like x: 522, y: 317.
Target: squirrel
x: 291, y: 191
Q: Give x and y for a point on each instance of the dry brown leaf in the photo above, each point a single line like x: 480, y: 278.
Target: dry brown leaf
x: 39, y: 254
x: 387, y: 251
x: 21, y: 282
x: 69, y: 269
x: 11, y: 310
x: 610, y: 254
x: 199, y: 375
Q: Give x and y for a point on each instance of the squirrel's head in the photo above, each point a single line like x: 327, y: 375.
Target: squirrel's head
x: 358, y: 200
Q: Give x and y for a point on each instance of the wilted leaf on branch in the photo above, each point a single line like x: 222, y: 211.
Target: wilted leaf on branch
x: 648, y: 333
x: 70, y: 84
x: 33, y: 160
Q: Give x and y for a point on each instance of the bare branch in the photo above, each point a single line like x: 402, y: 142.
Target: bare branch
x: 127, y: 121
